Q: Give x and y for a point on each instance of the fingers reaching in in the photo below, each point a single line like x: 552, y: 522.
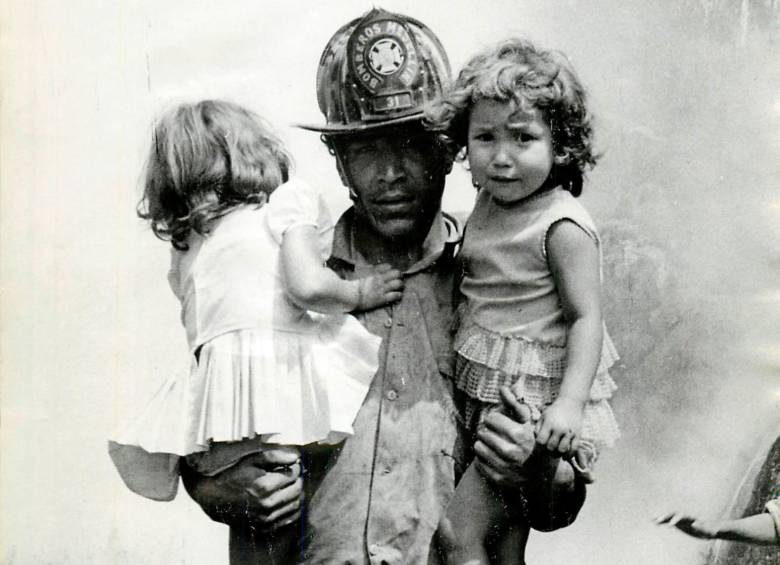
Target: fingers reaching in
x: 281, y: 506
x: 276, y: 457
x: 521, y: 410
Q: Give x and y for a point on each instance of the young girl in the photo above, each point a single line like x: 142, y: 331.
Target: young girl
x: 531, y: 271
x: 247, y: 264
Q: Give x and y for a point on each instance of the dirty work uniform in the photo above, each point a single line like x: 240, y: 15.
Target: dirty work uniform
x: 378, y: 497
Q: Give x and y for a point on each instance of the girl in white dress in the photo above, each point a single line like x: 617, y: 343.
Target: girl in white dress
x: 275, y: 359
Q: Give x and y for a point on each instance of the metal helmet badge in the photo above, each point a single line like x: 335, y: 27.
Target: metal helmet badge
x: 379, y: 70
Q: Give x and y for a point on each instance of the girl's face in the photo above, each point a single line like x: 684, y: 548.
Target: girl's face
x: 510, y: 151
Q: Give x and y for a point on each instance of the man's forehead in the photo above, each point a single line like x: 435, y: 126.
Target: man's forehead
x: 395, y: 134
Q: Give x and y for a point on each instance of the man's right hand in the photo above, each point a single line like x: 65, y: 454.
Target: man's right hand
x: 263, y: 490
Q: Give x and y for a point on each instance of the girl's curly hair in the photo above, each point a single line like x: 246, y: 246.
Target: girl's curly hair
x: 516, y: 71
x: 207, y: 158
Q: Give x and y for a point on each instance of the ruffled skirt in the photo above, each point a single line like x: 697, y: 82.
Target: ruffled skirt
x: 253, y: 387
x: 487, y: 361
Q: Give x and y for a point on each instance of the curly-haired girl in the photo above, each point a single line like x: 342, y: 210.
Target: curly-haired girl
x: 531, y: 317
x: 247, y: 265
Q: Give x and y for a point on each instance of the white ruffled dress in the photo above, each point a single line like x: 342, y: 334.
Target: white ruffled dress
x: 511, y: 327
x: 264, y: 370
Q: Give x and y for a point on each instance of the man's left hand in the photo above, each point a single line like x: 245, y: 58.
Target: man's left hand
x: 505, y: 441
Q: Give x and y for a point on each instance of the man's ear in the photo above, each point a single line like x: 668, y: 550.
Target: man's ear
x: 331, y: 145
x: 561, y: 160
x: 344, y: 177
x: 342, y: 172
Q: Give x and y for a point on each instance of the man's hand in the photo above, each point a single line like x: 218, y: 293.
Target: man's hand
x: 508, y: 456
x: 505, y: 443
x: 262, y: 490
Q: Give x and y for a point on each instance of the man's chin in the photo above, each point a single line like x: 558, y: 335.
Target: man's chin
x: 399, y: 229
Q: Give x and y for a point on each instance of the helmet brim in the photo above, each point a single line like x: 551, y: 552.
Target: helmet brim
x: 359, y: 127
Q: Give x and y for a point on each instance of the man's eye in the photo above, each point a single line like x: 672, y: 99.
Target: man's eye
x: 525, y: 137
x: 361, y: 150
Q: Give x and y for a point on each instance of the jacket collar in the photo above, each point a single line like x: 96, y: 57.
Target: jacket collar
x: 442, y: 240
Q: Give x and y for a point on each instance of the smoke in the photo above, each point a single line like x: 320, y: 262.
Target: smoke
x: 688, y: 202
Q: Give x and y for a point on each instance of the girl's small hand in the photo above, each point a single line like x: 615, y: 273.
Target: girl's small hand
x: 704, y: 529
x: 560, y: 425
x: 382, y: 288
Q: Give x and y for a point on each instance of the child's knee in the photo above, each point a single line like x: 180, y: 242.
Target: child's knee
x: 459, y: 545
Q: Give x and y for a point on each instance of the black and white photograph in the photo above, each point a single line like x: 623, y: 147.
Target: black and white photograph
x: 439, y: 283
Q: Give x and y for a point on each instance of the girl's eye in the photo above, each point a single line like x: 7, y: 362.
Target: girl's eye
x: 483, y: 137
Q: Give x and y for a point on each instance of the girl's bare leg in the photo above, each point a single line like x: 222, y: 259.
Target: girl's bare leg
x: 475, y: 513
x: 509, y: 549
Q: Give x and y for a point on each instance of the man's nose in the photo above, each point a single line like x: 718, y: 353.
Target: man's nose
x: 392, y: 169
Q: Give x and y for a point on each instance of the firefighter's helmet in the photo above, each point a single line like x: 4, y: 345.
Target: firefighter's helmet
x: 379, y: 70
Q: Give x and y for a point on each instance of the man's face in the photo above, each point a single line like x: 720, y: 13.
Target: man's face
x: 397, y: 176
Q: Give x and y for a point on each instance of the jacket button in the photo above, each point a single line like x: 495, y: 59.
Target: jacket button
x: 392, y: 395
x: 389, y: 323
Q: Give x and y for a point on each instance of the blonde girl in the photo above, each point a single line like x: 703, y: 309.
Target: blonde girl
x: 275, y: 359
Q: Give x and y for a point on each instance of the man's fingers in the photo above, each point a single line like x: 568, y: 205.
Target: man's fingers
x: 510, y: 440
x: 503, y: 425
x: 281, y: 517
x: 494, y: 477
x: 496, y: 444
x: 270, y: 494
x: 271, y: 482
x: 521, y: 411
x: 488, y: 456
x: 282, y: 456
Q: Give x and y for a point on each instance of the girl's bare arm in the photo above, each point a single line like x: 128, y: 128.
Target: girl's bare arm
x: 313, y: 286
x: 574, y: 262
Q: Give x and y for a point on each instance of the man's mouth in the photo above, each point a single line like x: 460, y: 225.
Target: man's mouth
x: 395, y: 204
x: 503, y: 180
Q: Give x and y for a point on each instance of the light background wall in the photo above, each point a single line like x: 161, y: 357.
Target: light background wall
x: 687, y: 99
